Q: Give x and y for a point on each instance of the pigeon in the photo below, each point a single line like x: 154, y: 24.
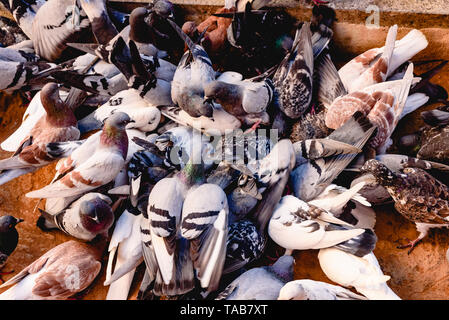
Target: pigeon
x: 74, y: 153
x: 296, y: 225
x: 257, y: 36
x: 305, y: 289
x: 98, y: 168
x: 371, y: 62
x: 84, y: 219
x: 218, y: 124
x: 157, y: 30
x: 24, y: 71
x: 32, y: 114
x: 348, y: 205
x: 362, y: 273
x: 178, y: 244
x: 24, y: 13
x: 311, y: 178
x: 247, y: 237
x: 194, y: 71
x: 57, y: 275
x: 294, y: 77
x: 211, y: 33
x: 382, y: 103
x: 366, y: 70
x: 146, y: 117
x: 145, y: 169
x: 376, y: 193
x: 417, y: 196
x: 58, y: 124
x: 262, y: 283
x: 9, y: 237
x: 247, y: 100
x: 138, y: 31
x: 206, y: 241
x: 138, y: 74
x: 310, y: 126
x: 101, y: 24
x: 125, y: 246
x: 433, y: 136
x: 56, y: 23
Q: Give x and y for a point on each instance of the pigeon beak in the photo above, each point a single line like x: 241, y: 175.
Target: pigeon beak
x: 131, y: 121
x: 19, y: 221
x: 171, y: 16
x: 208, y: 100
x: 95, y: 217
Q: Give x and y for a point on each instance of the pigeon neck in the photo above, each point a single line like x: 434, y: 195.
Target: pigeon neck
x: 193, y: 173
x: 58, y: 114
x: 112, y: 136
x: 138, y: 31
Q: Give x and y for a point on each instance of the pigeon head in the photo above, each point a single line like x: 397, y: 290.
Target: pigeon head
x: 114, y: 133
x: 163, y: 8
x: 96, y: 215
x: 8, y: 223
x: 220, y: 91
x: 193, y: 172
x: 383, y: 175
x: 283, y: 267
x: 292, y: 291
x: 58, y: 113
x: 190, y: 29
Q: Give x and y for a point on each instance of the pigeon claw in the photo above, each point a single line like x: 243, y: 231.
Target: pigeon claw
x: 411, y: 245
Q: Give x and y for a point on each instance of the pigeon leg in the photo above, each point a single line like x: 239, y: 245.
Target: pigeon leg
x: 422, y: 228
x: 254, y: 127
x: 411, y: 245
x: 117, y: 203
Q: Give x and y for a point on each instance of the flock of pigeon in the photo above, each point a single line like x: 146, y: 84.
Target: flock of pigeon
x: 178, y: 171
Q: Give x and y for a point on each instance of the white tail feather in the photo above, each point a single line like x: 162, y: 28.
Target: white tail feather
x: 414, y: 42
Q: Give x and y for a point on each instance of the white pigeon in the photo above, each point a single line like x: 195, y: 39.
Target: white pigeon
x: 125, y: 246
x: 365, y: 63
x: 218, y: 123
x: 306, y: 289
x: 76, y: 152
x: 33, y: 113
x: 364, y: 274
x: 145, y: 115
x: 247, y: 100
x: 296, y: 225
x: 100, y: 167
x: 86, y: 218
x: 57, y: 275
x: 193, y: 72
x: 347, y: 203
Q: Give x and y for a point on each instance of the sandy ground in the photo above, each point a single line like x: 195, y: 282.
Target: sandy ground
x: 424, y: 274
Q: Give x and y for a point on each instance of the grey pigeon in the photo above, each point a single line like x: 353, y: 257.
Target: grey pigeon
x: 263, y: 283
